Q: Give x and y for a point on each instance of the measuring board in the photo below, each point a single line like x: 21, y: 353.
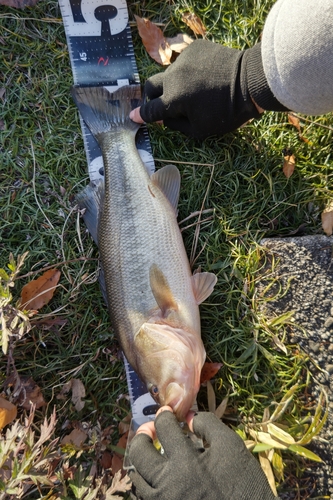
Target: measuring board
x: 101, y: 52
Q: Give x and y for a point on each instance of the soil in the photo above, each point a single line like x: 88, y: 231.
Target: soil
x: 305, y: 265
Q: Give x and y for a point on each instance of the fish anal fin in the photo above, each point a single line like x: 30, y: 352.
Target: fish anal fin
x: 161, y: 291
x: 167, y: 179
x: 203, y: 285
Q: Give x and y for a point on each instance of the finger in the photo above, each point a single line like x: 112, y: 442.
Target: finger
x: 154, y: 110
x: 140, y: 487
x: 147, y: 428
x: 154, y: 86
x: 170, y: 435
x: 164, y: 408
x: 189, y: 420
x: 145, y: 457
x: 207, y: 426
x: 135, y: 115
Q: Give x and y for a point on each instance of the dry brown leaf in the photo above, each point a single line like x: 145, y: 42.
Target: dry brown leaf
x: 179, y: 43
x: 8, y: 412
x: 77, y: 437
x: 154, y: 41
x: 117, y: 458
x: 266, y: 467
x: 18, y: 4
x: 327, y: 219
x: 194, y: 22
x: 211, y: 399
x: 125, y: 424
x: 78, y: 392
x: 119, y: 484
x: 208, y: 371
x: 39, y: 292
x: 289, y: 163
x: 26, y: 391
x: 31, y: 393
x: 220, y: 410
x: 293, y: 120
x: 106, y: 460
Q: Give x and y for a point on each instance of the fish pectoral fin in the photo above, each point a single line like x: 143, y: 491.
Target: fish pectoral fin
x: 168, y: 180
x: 161, y: 290
x: 203, y: 285
x: 91, y: 199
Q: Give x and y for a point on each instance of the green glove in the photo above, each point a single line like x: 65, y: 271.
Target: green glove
x: 225, y: 470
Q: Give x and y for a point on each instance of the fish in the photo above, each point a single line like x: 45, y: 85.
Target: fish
x: 152, y: 296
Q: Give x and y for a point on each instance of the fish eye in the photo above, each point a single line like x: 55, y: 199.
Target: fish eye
x: 154, y: 390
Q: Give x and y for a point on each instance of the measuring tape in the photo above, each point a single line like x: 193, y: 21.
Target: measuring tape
x: 101, y: 52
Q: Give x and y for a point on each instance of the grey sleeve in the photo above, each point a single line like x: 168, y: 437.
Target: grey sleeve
x: 295, y: 58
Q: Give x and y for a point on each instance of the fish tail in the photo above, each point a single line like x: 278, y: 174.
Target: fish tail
x: 104, y: 111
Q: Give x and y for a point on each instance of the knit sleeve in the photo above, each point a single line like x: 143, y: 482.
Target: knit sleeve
x: 297, y: 55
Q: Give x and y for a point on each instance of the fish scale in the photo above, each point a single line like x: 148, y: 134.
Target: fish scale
x: 136, y: 215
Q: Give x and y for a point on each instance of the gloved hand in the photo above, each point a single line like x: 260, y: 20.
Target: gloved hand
x: 225, y: 470
x: 204, y: 92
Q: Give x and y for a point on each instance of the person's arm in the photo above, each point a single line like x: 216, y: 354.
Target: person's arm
x: 222, y: 470
x: 211, y: 89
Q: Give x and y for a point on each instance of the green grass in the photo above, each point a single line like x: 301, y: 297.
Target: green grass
x: 239, y: 176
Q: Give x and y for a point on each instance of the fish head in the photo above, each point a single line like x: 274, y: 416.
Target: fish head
x: 170, y: 360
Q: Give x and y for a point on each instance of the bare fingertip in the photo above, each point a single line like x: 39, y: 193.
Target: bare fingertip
x: 135, y: 116
x: 189, y: 419
x: 164, y: 408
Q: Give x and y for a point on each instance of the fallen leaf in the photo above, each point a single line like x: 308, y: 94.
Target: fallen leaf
x: 211, y: 397
x: 39, y: 292
x: 125, y: 424
x: 208, y: 371
x: 118, y: 458
x: 289, y: 162
x: 18, y: 4
x: 220, y: 410
x: 194, y: 22
x: 119, y: 484
x: 106, y: 460
x: 29, y: 393
x: 293, y: 120
x: 327, y: 219
x: 77, y: 437
x: 2, y: 125
x: 49, y: 323
x: 154, y: 41
x: 266, y: 467
x: 78, y: 392
x: 179, y: 43
x: 8, y: 412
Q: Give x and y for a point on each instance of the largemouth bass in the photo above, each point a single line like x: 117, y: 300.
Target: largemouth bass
x: 151, y: 293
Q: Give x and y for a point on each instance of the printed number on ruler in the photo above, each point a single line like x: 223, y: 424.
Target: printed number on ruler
x: 101, y: 51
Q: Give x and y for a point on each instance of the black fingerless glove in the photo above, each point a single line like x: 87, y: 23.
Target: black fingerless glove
x: 225, y: 470
x: 205, y: 91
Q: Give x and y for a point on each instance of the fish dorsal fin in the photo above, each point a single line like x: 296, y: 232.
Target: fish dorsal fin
x: 203, y: 285
x: 161, y: 290
x: 168, y: 180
